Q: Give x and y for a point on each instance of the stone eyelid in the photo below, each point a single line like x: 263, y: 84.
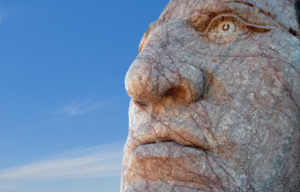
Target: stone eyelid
x: 203, y: 33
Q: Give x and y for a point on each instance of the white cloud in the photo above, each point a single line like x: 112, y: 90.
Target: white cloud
x: 76, y: 108
x: 89, y: 163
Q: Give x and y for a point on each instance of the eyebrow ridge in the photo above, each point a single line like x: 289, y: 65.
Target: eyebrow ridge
x: 253, y: 6
x: 242, y: 2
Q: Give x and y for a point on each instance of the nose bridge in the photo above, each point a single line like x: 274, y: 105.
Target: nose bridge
x: 152, y: 76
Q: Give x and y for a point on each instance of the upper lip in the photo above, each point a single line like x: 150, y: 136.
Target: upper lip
x: 183, y: 134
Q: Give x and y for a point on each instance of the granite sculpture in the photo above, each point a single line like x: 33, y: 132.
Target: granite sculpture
x: 216, y: 99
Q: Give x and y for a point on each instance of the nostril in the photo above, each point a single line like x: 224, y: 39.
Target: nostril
x: 178, y: 93
x: 141, y: 105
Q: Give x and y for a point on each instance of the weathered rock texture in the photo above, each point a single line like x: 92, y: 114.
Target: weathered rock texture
x: 215, y: 99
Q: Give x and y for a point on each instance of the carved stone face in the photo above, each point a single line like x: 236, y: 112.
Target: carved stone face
x: 215, y: 99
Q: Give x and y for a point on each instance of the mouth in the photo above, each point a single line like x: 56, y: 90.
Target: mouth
x: 169, y: 149
x: 167, y: 161
x: 173, y: 152
x: 170, y: 162
x: 161, y: 142
x: 182, y: 134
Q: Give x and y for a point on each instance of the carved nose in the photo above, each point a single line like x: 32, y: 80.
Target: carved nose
x: 149, y: 82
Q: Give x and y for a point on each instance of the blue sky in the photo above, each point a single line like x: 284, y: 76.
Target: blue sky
x: 64, y: 108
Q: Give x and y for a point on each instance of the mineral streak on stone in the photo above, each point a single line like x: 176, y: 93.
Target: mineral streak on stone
x: 216, y: 99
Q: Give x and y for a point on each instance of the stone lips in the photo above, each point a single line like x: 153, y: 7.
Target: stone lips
x: 180, y: 166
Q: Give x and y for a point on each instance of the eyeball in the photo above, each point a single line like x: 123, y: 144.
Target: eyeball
x: 226, y: 30
x: 226, y: 27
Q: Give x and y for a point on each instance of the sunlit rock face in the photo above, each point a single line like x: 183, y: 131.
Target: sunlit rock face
x: 215, y: 99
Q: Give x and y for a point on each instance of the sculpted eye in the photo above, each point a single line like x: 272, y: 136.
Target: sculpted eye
x: 227, y: 28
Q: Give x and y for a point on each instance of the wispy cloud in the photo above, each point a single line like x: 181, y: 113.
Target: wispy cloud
x: 77, y: 108
x: 91, y: 163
